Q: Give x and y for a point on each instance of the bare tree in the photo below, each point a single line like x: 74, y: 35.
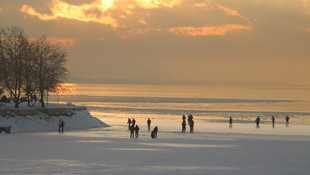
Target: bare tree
x: 30, y: 84
x: 13, y: 50
x: 50, y: 66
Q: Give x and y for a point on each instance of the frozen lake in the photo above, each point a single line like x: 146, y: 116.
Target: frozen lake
x: 213, y: 148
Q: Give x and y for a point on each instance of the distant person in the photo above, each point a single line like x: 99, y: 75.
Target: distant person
x: 59, y: 125
x: 183, y: 118
x: 137, y: 131
x: 257, y: 121
x: 62, y: 126
x: 191, y: 125
x: 189, y: 118
x: 230, y: 122
x: 129, y: 122
x: 133, y: 122
x: 154, y: 133
x: 273, y: 120
x: 287, y: 120
x: 148, y: 123
x: 183, y: 126
x: 132, y: 131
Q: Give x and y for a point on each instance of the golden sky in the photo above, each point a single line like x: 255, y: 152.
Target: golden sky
x: 131, y: 41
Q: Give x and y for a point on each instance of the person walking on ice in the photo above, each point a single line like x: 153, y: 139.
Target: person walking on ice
x: 137, y: 131
x: 257, y: 121
x: 62, y: 126
x: 148, y: 123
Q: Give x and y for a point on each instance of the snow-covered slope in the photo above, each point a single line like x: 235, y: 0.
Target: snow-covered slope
x: 79, y: 118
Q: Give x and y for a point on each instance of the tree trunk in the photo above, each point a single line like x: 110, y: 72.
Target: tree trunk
x: 42, y: 99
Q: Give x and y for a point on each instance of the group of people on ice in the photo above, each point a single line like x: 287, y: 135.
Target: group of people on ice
x: 257, y: 121
x: 190, y: 123
x: 61, y: 125
x: 134, y: 129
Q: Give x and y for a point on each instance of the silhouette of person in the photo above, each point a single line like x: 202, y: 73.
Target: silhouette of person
x: 129, y: 122
x: 148, y: 123
x: 183, y: 126
x: 257, y: 121
x: 183, y: 118
x: 230, y: 122
x: 62, y: 126
x: 132, y: 130
x: 154, y: 133
x: 133, y: 122
x: 59, y: 125
x: 272, y: 118
x: 287, y: 120
x: 137, y: 131
x: 191, y: 125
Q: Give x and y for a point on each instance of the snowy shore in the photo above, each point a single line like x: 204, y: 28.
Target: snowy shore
x: 36, y: 119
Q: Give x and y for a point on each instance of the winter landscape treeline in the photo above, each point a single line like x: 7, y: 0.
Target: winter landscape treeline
x: 29, y: 67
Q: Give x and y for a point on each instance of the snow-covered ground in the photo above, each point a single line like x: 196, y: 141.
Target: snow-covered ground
x: 213, y: 148
x: 79, y: 118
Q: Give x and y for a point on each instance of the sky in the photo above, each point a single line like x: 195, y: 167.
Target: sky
x: 173, y: 41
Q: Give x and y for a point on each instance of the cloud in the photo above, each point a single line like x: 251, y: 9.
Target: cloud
x: 306, y: 29
x: 93, y: 12
x: 208, y: 30
x: 136, y: 17
x: 67, y: 42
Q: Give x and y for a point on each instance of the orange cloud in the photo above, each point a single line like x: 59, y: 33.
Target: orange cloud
x: 93, y: 12
x: 208, y: 30
x: 67, y: 42
x: 306, y: 29
x: 131, y: 17
x: 232, y: 12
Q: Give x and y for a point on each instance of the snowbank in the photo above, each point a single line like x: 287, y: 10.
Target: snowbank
x: 37, y: 119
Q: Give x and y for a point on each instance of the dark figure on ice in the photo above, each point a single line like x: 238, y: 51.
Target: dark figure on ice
x: 189, y: 118
x: 129, y: 122
x: 191, y: 126
x: 132, y: 131
x: 183, y: 118
x: 154, y: 133
x: 148, y: 123
x: 257, y: 121
x: 183, y: 126
x: 133, y: 122
x: 190, y: 122
x: 59, y: 125
x: 62, y: 126
x: 137, y: 131
x: 287, y: 120
x: 230, y: 122
x: 272, y: 118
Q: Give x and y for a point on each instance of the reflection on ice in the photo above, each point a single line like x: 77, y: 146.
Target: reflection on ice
x: 136, y: 149
x: 211, y: 168
x: 178, y: 145
x: 94, y: 141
